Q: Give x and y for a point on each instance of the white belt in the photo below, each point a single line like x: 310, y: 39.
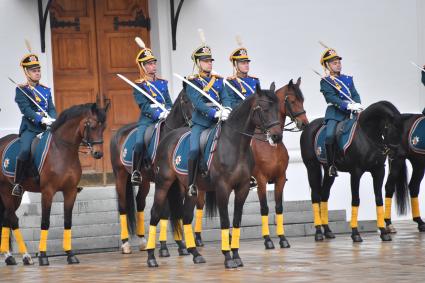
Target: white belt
x: 154, y: 106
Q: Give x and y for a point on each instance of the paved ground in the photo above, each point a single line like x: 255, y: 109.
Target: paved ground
x: 339, y: 260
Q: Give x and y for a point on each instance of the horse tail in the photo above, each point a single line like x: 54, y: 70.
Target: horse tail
x: 131, y: 206
x: 2, y: 209
x: 402, y: 190
x: 175, y: 205
x: 211, y: 204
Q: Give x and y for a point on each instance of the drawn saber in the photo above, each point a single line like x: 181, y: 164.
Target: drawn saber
x: 32, y: 100
x: 231, y: 87
x: 417, y: 66
x: 346, y: 96
x: 200, y: 91
x: 143, y: 92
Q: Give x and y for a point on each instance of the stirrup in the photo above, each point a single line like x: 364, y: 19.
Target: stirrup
x: 18, y: 191
x: 192, y: 190
x: 136, y: 177
x: 252, y: 183
x: 332, y: 171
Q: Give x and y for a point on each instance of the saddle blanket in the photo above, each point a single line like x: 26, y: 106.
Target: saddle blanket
x: 417, y: 136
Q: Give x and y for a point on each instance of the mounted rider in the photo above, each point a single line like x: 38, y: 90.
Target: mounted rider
x: 38, y: 113
x: 150, y: 112
x: 204, y: 114
x: 337, y: 89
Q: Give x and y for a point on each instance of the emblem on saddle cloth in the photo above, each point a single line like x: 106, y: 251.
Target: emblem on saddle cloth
x: 6, y: 163
x: 415, y: 140
x: 417, y: 136
x: 178, y: 160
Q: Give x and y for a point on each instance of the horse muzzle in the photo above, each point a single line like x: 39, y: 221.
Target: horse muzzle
x: 97, y: 154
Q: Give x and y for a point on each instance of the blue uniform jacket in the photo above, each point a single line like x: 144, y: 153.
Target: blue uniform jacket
x: 337, y: 103
x: 158, y: 89
x: 242, y: 88
x: 31, y: 119
x: 204, y: 111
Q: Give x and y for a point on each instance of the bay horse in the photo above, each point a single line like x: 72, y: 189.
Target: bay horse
x: 230, y: 170
x: 179, y: 116
x: 61, y: 171
x: 271, y: 163
x: 377, y: 135
x: 397, y: 177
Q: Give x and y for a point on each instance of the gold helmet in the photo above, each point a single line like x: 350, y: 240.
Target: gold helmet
x: 145, y: 55
x: 30, y: 60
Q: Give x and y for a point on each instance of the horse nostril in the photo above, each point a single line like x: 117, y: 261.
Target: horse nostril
x: 276, y: 138
x: 98, y: 154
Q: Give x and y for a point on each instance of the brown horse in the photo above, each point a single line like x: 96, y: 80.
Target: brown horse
x: 179, y: 116
x: 271, y: 163
x: 61, y: 171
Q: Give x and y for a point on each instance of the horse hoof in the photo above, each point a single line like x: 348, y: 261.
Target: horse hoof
x: 269, y: 244
x: 238, y: 262
x: 183, y: 252
x: 198, y: 242
x: 329, y: 235
x: 318, y: 237
x: 143, y: 243
x: 421, y: 227
x: 152, y: 263
x: 390, y: 229
x: 385, y: 237
x: 27, y: 260
x: 164, y: 252
x: 43, y: 260
x: 125, y: 248
x: 356, y: 238
x: 199, y: 259
x: 72, y: 259
x: 230, y: 263
x: 284, y: 244
x: 10, y: 260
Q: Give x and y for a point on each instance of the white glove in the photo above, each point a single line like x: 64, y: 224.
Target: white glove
x: 163, y: 115
x: 225, y: 114
x: 46, y: 121
x: 355, y: 107
x: 218, y: 114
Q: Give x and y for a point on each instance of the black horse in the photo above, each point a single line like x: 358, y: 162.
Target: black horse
x: 230, y: 170
x: 397, y: 178
x: 179, y: 116
x: 377, y: 135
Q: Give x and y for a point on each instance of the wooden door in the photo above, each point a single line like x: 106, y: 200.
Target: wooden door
x: 92, y: 41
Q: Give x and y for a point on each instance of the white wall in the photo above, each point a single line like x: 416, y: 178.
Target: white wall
x: 376, y: 39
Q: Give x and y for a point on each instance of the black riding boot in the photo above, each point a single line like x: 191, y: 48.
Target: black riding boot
x: 330, y: 156
x: 136, y: 175
x: 193, y: 172
x: 18, y: 190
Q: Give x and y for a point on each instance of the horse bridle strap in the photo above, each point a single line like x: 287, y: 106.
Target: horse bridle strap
x: 292, y: 116
x: 85, y: 140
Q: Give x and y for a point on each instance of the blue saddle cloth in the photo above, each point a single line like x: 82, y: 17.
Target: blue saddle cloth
x: 12, y: 149
x: 129, y: 143
x: 417, y: 136
x: 344, y: 136
x: 181, y: 151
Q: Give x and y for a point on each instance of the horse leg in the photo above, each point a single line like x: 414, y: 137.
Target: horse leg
x: 5, y: 232
x: 324, y: 212
x: 278, y: 196
x: 69, y: 197
x: 378, y: 179
x: 315, y: 180
x: 163, y: 223
x: 414, y: 186
x: 355, y: 203
x: 121, y: 188
x: 178, y: 231
x: 46, y: 205
x: 14, y: 225
x: 200, y: 202
x: 240, y: 197
x: 264, y: 209
x: 389, y: 193
x: 141, y: 204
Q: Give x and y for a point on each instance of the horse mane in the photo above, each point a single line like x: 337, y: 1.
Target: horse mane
x: 77, y: 111
x: 379, y: 110
x: 297, y: 91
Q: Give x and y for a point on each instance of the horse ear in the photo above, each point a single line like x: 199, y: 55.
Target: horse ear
x: 299, y: 81
x: 258, y: 89
x: 272, y: 87
x: 94, y: 107
x: 108, y: 103
x: 291, y: 83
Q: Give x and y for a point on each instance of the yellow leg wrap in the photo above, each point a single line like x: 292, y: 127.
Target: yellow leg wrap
x: 5, y: 234
x: 316, y: 214
x: 178, y: 235
x: 198, y: 220
x: 188, y: 235
x: 140, y: 223
x: 380, y: 216
x: 354, y: 216
x: 236, y: 235
x: 324, y: 215
x: 42, y: 247
x: 67, y: 240
x: 22, y: 248
x: 124, y: 229
x: 225, y: 240
x: 388, y: 202
x: 265, y: 225
x: 280, y: 230
x: 152, y: 238
x: 415, y: 207
x: 163, y: 230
